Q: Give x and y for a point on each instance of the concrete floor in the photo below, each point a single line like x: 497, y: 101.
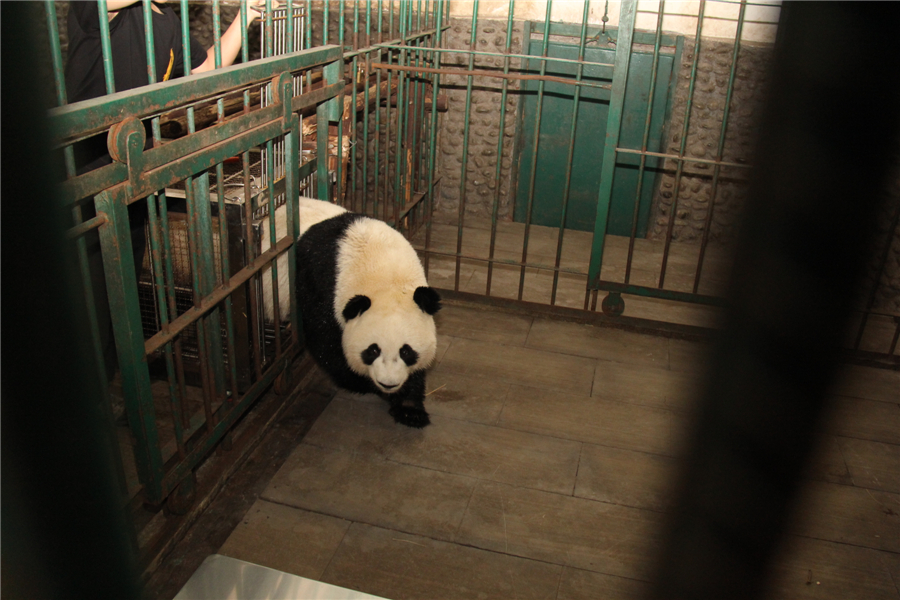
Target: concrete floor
x: 544, y: 475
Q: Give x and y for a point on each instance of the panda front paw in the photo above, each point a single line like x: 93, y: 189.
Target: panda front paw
x: 411, y: 416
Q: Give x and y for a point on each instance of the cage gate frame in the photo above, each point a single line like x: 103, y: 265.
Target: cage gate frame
x: 137, y: 173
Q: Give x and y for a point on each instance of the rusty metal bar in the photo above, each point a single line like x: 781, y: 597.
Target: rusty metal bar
x: 495, y: 75
x: 176, y: 326
x: 85, y: 226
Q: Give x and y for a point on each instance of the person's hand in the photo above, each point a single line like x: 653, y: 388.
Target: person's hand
x: 256, y: 8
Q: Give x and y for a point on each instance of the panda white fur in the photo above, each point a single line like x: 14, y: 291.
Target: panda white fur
x: 367, y: 309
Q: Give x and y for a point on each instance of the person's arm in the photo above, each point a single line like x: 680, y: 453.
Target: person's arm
x: 231, y: 39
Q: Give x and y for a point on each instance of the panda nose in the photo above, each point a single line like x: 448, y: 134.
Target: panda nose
x: 386, y: 386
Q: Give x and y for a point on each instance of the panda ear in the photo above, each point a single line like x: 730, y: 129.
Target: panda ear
x: 427, y: 299
x: 356, y: 306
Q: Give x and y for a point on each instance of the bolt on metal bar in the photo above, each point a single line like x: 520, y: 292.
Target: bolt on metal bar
x: 465, y: 149
x: 495, y: 208
x: 644, y: 141
x: 721, y: 148
x: 534, y: 149
x: 679, y: 169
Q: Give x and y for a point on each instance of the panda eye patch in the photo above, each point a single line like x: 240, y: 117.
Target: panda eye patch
x: 409, y: 356
x: 370, y: 354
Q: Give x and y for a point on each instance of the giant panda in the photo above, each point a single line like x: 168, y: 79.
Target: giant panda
x: 367, y: 309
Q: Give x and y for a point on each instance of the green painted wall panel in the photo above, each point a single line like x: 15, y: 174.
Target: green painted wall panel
x: 555, y: 127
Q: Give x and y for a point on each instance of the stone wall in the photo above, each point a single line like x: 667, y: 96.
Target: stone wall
x: 695, y: 191
x: 484, y: 125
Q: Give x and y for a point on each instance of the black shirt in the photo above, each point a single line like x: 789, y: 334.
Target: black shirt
x: 84, y: 69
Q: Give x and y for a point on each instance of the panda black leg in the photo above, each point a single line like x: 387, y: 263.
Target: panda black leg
x: 408, y: 405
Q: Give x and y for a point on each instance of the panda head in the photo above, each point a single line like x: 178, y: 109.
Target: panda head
x: 390, y: 338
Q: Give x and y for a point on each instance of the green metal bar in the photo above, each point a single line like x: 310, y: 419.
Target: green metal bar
x: 226, y: 421
x: 339, y: 149
x: 69, y: 157
x: 325, y: 22
x: 604, y: 70
x: 498, y: 169
x: 465, y: 149
x: 105, y: 49
x: 159, y: 286
x: 568, y: 179
x: 193, y: 314
x: 329, y: 111
x: 402, y: 124
x: 273, y: 268
x: 596, y: 33
x: 679, y: 169
x: 368, y: 70
x: 644, y: 142
x: 432, y: 148
x: 121, y: 284
x: 534, y: 151
x: 201, y: 252
x: 81, y: 119
x: 614, y: 121
x: 172, y: 304
x: 720, y: 151
x: 289, y: 26
x: 55, y: 52
x: 269, y: 29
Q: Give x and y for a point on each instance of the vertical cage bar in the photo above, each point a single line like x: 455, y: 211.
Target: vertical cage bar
x: 465, y: 148
x: 568, y: 179
x: 121, y: 281
x: 432, y: 154
x: 679, y: 169
x: 644, y: 142
x: 720, y: 151
x: 534, y: 149
x: 105, y: 50
x: 495, y: 209
x: 616, y: 104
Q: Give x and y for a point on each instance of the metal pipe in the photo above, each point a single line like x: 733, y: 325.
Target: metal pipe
x: 478, y: 73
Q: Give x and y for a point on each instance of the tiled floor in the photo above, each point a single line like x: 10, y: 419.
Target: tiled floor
x: 544, y: 475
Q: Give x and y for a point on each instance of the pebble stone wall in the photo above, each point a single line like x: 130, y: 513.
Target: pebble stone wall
x: 695, y: 190
x: 484, y: 126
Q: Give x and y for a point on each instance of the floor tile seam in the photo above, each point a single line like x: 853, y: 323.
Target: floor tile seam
x: 574, y: 354
x: 838, y: 396
x: 680, y: 413
x: 577, y: 468
x: 353, y: 521
x: 838, y: 433
x: 850, y: 485
x: 562, y: 437
x: 843, y: 543
x: 569, y: 497
x: 848, y: 437
x: 337, y: 548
